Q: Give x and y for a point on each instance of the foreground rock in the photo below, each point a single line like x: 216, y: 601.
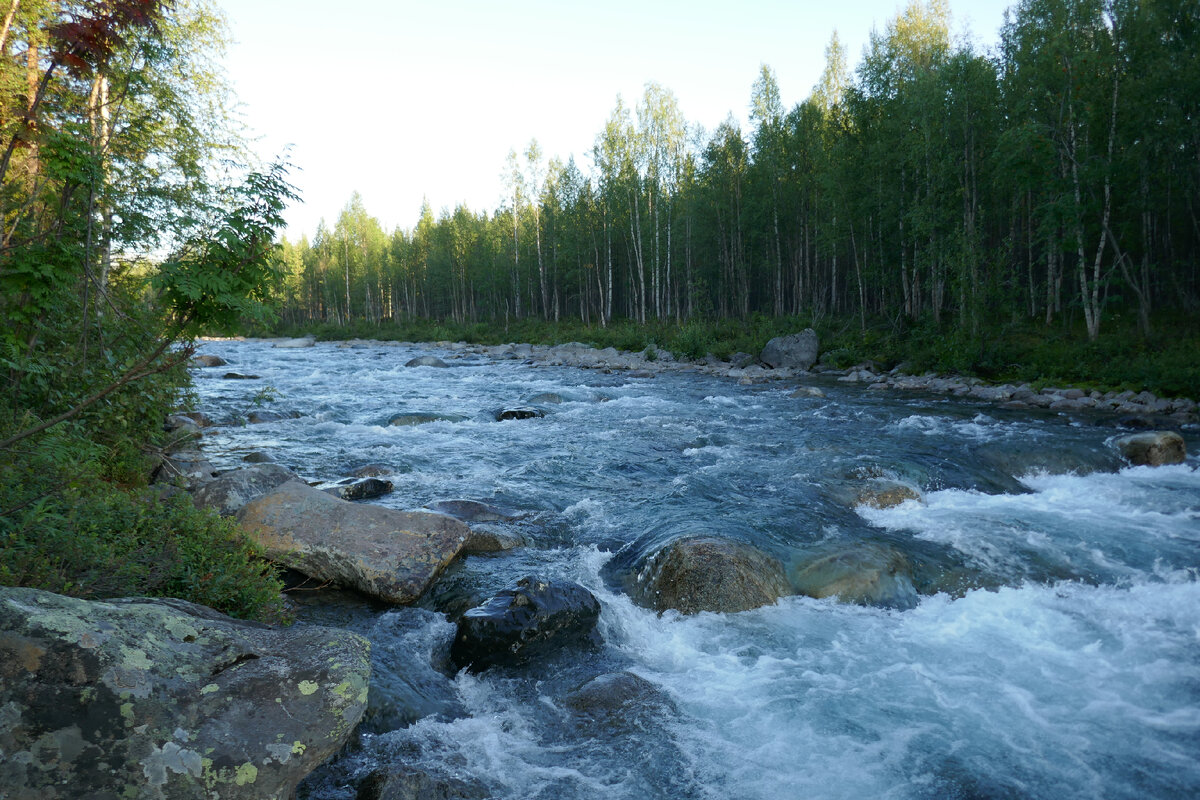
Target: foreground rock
x: 711, y: 574
x: 149, y: 698
x: 870, y: 575
x: 230, y: 491
x: 1153, y: 449
x: 531, y: 619
x: 392, y: 555
x: 795, y: 351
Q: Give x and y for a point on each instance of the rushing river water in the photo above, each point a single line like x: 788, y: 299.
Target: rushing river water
x: 1054, y: 651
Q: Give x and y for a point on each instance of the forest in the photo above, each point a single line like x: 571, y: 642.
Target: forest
x: 1052, y: 184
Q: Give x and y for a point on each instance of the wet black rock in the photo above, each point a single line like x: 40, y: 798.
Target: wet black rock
x: 366, y: 489
x: 238, y: 376
x: 531, y: 619
x: 257, y: 457
x: 709, y: 573
x: 519, y: 412
x: 261, y: 417
x: 616, y: 696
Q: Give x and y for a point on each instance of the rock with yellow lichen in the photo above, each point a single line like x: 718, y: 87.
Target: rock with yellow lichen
x: 141, y: 698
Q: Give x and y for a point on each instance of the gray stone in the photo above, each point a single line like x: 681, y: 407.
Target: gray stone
x: 263, y: 417
x: 208, y: 361
x: 708, y: 573
x: 366, y: 489
x: 795, y: 351
x: 427, y: 361
x: 228, y: 492
x: 615, y: 696
x: 471, y: 511
x: 486, y: 539
x: 1153, y: 449
x: 257, y: 457
x: 422, y: 418
x: 392, y: 555
x: 191, y: 466
x: 165, y: 699
x: 371, y: 471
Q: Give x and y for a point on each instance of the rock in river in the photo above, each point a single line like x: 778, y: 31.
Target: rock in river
x: 420, y: 418
x: 519, y: 412
x: 366, y: 489
x: 470, y: 511
x: 392, y: 555
x: 869, y: 575
x: 165, y: 699
x: 1153, y: 449
x: 530, y: 619
x: 711, y: 574
x: 205, y: 360
x: 426, y: 361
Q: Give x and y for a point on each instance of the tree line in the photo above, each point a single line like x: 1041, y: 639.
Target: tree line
x: 1054, y: 179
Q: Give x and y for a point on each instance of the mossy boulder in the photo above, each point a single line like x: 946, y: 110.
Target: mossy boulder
x: 389, y: 554
x: 708, y: 573
x: 163, y: 699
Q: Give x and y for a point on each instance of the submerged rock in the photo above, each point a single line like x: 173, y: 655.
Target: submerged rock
x: 519, y: 412
x: 795, y: 351
x: 306, y: 341
x: 1153, y: 449
x: 413, y: 784
x: 371, y: 471
x: 710, y: 574
x: 392, y: 555
x: 489, y: 540
x: 426, y: 361
x: 886, y: 494
x: 421, y: 418
x: 238, y: 376
x: 261, y: 417
x: 230, y: 491
x: 531, y: 619
x: 869, y: 575
x: 470, y: 511
x: 366, y: 489
x: 615, y: 696
x: 166, y: 699
x: 551, y: 398
x: 257, y: 457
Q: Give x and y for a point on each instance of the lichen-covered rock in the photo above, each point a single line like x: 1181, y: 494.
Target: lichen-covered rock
x: 389, y: 554
x: 1153, y: 449
x: 228, y: 492
x: 869, y: 575
x: 530, y: 619
x: 795, y: 351
x: 709, y: 573
x: 162, y: 699
x: 882, y: 493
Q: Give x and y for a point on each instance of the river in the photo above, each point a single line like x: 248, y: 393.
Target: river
x: 1054, y: 650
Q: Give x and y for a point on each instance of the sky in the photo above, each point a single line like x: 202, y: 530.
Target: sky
x: 404, y: 101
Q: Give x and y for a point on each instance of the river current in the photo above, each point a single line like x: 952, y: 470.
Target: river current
x: 1054, y: 650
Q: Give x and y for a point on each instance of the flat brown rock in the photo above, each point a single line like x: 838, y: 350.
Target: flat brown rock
x: 392, y: 555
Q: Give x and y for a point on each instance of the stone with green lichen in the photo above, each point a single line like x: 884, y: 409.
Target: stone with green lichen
x: 144, y: 698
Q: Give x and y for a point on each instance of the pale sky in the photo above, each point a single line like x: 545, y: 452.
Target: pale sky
x: 401, y: 100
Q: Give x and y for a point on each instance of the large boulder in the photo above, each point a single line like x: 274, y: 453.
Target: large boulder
x: 530, y: 619
x: 1153, y: 449
x: 795, y: 351
x: 389, y: 554
x: 869, y: 575
x: 228, y: 492
x: 709, y: 573
x: 164, y: 699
